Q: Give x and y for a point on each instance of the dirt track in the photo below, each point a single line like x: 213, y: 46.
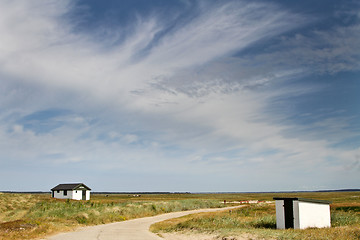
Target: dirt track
x: 136, y: 229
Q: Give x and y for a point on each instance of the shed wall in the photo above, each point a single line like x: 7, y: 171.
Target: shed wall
x: 314, y: 215
x: 296, y: 214
x: 280, y: 214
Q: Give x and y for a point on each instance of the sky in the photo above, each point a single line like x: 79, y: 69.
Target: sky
x: 180, y: 95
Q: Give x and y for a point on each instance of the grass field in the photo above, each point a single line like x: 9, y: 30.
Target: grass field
x: 28, y: 216
x: 260, y: 220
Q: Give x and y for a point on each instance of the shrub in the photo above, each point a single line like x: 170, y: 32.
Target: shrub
x: 264, y: 222
x: 339, y: 218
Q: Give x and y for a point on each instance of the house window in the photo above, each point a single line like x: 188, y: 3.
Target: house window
x: 65, y: 192
x: 75, y: 191
x: 58, y: 191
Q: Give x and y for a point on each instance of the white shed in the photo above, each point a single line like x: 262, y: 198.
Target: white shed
x: 76, y: 191
x: 301, y: 213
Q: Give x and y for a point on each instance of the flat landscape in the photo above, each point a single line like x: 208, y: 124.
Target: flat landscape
x: 220, y: 102
x: 31, y: 216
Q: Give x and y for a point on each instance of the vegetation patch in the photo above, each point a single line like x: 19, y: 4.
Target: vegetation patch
x: 349, y: 209
x: 26, y: 216
x: 17, y: 225
x: 30, y: 216
x: 259, y: 220
x: 251, y: 216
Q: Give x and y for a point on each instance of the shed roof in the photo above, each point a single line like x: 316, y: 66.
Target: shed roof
x: 70, y: 186
x: 303, y: 200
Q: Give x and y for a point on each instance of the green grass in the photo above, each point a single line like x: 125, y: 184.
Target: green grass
x: 97, y: 212
x: 349, y: 209
x: 43, y: 215
x: 260, y: 220
x: 29, y: 216
x: 252, y: 216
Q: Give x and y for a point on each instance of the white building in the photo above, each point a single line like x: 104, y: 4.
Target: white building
x: 301, y: 213
x: 76, y: 191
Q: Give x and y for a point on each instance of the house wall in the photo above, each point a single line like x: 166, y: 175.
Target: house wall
x: 87, y: 195
x: 280, y: 214
x: 72, y: 194
x: 77, y: 195
x: 62, y: 196
x: 314, y: 215
x: 80, y: 189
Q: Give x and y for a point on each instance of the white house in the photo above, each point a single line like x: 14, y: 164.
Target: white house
x: 301, y: 213
x: 76, y: 191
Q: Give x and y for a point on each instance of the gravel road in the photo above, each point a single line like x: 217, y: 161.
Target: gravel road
x: 136, y: 229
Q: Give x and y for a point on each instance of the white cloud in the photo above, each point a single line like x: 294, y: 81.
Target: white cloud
x: 220, y: 30
x: 171, y: 104
x: 130, y: 138
x: 318, y: 51
x: 45, y: 50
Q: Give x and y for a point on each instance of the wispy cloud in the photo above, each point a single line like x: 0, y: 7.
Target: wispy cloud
x: 168, y: 97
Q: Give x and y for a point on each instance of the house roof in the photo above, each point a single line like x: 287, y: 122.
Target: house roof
x: 303, y: 200
x: 70, y: 186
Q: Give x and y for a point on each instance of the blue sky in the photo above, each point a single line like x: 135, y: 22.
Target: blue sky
x: 180, y: 95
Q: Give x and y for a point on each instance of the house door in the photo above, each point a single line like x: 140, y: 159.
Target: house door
x: 289, y: 213
x: 83, y: 194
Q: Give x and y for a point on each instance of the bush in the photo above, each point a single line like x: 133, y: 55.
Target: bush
x: 339, y: 218
x: 348, y: 209
x: 264, y: 222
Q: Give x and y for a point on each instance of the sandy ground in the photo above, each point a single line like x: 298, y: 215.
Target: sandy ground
x: 198, y: 236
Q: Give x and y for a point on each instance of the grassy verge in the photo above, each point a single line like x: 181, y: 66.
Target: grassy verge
x: 260, y: 221
x: 26, y: 216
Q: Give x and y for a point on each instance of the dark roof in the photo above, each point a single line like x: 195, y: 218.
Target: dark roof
x: 70, y: 186
x: 302, y: 199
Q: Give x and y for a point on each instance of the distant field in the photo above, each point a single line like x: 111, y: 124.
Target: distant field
x: 27, y: 216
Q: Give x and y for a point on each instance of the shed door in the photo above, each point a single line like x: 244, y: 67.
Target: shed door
x: 289, y: 213
x: 83, y: 194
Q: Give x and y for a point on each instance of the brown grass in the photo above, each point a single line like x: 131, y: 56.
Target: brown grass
x: 30, y: 216
x: 260, y: 220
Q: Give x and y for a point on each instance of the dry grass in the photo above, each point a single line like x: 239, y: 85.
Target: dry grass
x: 13, y: 221
x: 260, y: 227
x: 15, y: 206
x: 30, y: 216
x: 260, y: 221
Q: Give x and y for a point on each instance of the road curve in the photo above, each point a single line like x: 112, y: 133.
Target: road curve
x: 135, y: 229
